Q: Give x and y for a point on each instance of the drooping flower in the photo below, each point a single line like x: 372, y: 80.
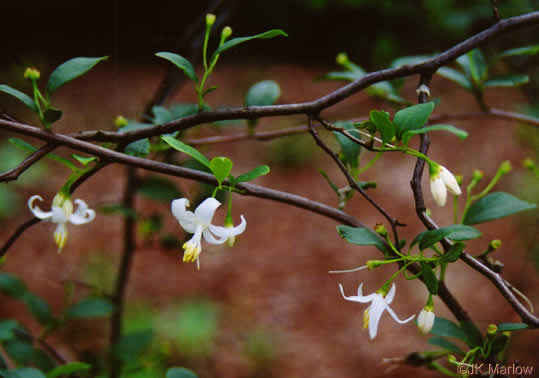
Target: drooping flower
x: 441, y: 180
x: 380, y: 302
x: 62, y: 213
x: 425, y: 320
x: 199, y: 224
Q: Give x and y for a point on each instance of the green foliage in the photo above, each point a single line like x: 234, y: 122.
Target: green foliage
x: 349, y: 153
x: 90, y: 308
x: 22, y: 373
x: 261, y: 170
x: 236, y: 41
x: 141, y: 147
x: 27, y: 146
x: 70, y: 70
x: 132, y: 345
x: 68, y: 369
x: 24, y: 98
x: 6, y: 329
x: 453, y: 253
x: 494, y: 206
x: 412, y: 118
x: 179, y: 372
x: 361, y: 236
x: 182, y: 147
x: 508, y: 81
x: 445, y: 344
x: 461, y: 134
x: 263, y: 93
x: 457, y: 232
x: 221, y: 168
x: 502, y: 327
x: 383, y: 125
x: 180, y: 62
x: 430, y: 278
x: 526, y: 50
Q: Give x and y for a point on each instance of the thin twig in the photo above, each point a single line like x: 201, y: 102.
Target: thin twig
x: 33, y: 158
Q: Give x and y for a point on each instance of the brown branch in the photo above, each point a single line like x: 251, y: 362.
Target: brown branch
x: 33, y: 158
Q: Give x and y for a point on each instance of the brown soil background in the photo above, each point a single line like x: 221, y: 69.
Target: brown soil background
x: 276, y: 277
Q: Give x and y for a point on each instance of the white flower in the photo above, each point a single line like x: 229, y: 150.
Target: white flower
x: 199, y: 224
x: 379, y: 303
x: 61, y: 213
x: 442, y: 180
x: 425, y: 320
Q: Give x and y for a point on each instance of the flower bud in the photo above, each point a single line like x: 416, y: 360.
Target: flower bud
x: 120, y: 121
x: 342, y: 59
x: 371, y: 264
x: 226, y: 33
x: 495, y: 244
x: 425, y: 320
x: 528, y: 164
x: 210, y: 19
x: 31, y: 74
x: 492, y: 329
x: 505, y: 167
x: 380, y: 229
x: 478, y: 174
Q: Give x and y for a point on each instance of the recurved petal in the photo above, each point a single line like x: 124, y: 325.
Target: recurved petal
x: 83, y: 214
x: 375, y: 313
x: 226, y: 232
x: 204, y: 212
x: 391, y: 294
x: 395, y: 317
x: 38, y: 213
x: 186, y: 218
x: 359, y: 298
x: 450, y: 181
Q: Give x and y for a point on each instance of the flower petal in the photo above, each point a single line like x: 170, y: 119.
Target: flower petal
x: 375, y: 313
x: 438, y: 190
x: 227, y: 232
x: 186, y: 218
x: 38, y: 213
x: 395, y: 317
x: 58, y: 215
x: 60, y: 235
x: 208, y: 236
x: 391, y: 294
x: 359, y: 298
x: 204, y: 212
x: 450, y: 181
x: 82, y: 214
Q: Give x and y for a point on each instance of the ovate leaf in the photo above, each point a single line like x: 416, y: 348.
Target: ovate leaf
x: 457, y: 232
x: 383, y: 125
x: 429, y: 278
x: 263, y: 93
x: 411, y: 118
x: 90, y: 308
x: 68, y: 369
x: 236, y: 41
x: 526, y: 50
x: 180, y: 62
x: 24, y: 98
x: 508, y: 81
x: 445, y: 344
x: 446, y: 328
x: 179, y: 372
x: 502, y: 327
x: 221, y: 168
x: 461, y: 134
x: 494, y: 206
x: 455, y: 76
x: 361, y: 236
x: 70, y: 70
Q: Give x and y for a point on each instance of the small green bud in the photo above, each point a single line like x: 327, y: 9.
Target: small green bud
x: 380, y: 229
x: 451, y: 359
x: 372, y: 264
x: 210, y: 19
x: 529, y: 164
x: 226, y: 33
x: 478, y: 175
x: 506, y: 333
x: 120, y: 121
x: 495, y: 244
x: 31, y: 74
x: 492, y: 329
x: 459, y: 179
x: 505, y: 167
x: 342, y: 59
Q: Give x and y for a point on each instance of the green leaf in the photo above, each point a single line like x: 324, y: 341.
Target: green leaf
x: 27, y: 146
x: 429, y: 277
x: 508, y: 81
x: 236, y: 41
x: 51, y: 115
x: 263, y: 93
x: 180, y: 62
x: 38, y: 307
x: 24, y: 373
x: 446, y: 328
x: 494, y: 206
x: 409, y: 60
x: 454, y: 232
x: 330, y: 183
x: 461, y: 134
x: 68, y: 369
x: 141, y: 147
x: 346, y: 75
x: 526, y: 50
x: 412, y: 117
x: 12, y: 286
x: 6, y: 329
x: 261, y: 170
x: 361, y: 236
x: 473, y: 335
x: 478, y: 65
x: 221, y: 168
x: 502, y: 327
x: 455, y: 76
x: 158, y: 188
x: 385, y: 90
x: 453, y: 253
x: 90, y: 308
x: 24, y: 98
x: 132, y: 345
x: 179, y: 372
x: 349, y: 149
x: 383, y: 125
x: 180, y: 146
x: 445, y: 344
x: 70, y: 70
x: 84, y: 160
x: 20, y: 351
x: 208, y: 90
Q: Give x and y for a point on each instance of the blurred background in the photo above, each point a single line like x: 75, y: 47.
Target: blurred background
x: 267, y: 307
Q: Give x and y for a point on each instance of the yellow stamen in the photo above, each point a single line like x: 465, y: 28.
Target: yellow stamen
x: 366, y: 319
x: 191, y: 251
